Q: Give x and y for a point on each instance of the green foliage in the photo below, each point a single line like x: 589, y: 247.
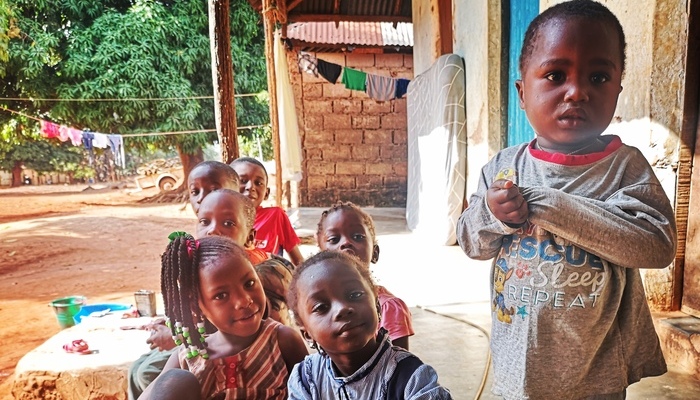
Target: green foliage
x: 126, y: 49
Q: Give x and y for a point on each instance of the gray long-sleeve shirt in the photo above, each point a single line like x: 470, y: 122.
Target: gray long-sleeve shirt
x: 570, y: 317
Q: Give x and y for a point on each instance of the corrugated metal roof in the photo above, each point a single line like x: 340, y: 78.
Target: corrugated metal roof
x: 356, y: 8
x: 355, y: 33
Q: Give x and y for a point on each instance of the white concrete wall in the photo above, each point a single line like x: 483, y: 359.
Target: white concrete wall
x: 426, y: 35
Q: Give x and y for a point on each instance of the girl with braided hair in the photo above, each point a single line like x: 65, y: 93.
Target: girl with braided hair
x: 249, y: 356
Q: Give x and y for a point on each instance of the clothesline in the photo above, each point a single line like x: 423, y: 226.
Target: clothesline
x: 129, y: 98
x: 377, y: 87
x: 149, y: 133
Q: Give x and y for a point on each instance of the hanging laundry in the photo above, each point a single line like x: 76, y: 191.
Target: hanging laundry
x: 381, y: 88
x: 87, y: 139
x: 401, y: 87
x: 354, y: 79
x: 63, y: 133
x: 100, y: 141
x: 75, y: 136
x: 117, y: 146
x: 49, y: 129
x: 328, y: 70
x: 307, y: 63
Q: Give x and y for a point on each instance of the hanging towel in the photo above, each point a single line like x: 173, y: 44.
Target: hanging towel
x: 381, y: 88
x: 328, y: 70
x: 307, y: 63
x: 401, y: 87
x: 100, y: 140
x: 49, y: 129
x: 354, y: 79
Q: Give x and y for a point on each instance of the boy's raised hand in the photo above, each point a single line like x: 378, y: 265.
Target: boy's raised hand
x: 507, y: 203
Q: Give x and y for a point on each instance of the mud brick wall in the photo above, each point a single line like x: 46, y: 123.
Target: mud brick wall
x: 354, y: 147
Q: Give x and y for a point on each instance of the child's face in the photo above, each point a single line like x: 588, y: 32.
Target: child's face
x: 337, y: 309
x: 223, y: 215
x: 253, y: 182
x: 231, y: 296
x: 343, y: 230
x: 202, y: 181
x: 572, y: 80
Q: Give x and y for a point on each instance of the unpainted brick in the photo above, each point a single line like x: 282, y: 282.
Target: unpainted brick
x: 359, y: 60
x: 364, y: 152
x: 400, y: 136
x: 350, y: 168
x: 408, y: 61
x: 312, y: 91
x: 389, y: 60
x: 313, y: 153
x: 321, y: 198
x: 382, y: 168
x: 316, y: 182
x: 401, y: 168
x: 351, y: 136
x: 315, y: 107
x: 320, y: 168
x: 369, y: 181
x: 395, y: 181
x: 394, y: 152
x: 341, y: 182
x: 347, y: 106
x: 399, y: 106
x: 336, y: 121
x: 337, y: 152
x: 365, y: 122
x: 335, y: 58
x: 335, y: 91
x: 372, y: 106
x: 393, y: 121
x: 313, y: 122
x: 315, y: 138
x: 379, y: 136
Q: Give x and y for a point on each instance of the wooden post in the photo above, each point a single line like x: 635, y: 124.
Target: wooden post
x: 222, y: 78
x: 268, y: 14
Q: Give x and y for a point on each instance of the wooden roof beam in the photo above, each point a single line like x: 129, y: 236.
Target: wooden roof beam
x: 293, y: 4
x: 397, y: 7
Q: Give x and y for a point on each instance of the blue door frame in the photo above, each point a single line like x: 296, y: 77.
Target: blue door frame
x: 521, y: 13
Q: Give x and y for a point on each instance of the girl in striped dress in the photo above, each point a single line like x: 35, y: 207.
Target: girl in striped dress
x: 249, y: 356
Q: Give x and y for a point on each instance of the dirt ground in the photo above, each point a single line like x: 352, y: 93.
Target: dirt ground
x: 58, y: 241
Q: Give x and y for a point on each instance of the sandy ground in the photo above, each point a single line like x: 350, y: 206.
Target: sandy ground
x: 57, y: 241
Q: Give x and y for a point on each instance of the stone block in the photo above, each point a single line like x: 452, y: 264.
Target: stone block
x: 358, y: 60
x: 401, y: 169
x: 313, y: 153
x: 347, y: 106
x: 336, y: 121
x: 337, y: 152
x: 312, y: 138
x: 341, y: 182
x: 351, y: 136
x: 379, y: 136
x: 393, y: 121
x: 389, y: 60
x: 350, y: 168
x: 394, y: 152
x: 313, y: 122
x: 315, y: 182
x: 400, y: 136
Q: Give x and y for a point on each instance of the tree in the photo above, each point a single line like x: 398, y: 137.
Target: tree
x: 124, y: 49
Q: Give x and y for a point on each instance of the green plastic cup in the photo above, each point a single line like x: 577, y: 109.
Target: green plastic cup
x: 66, y: 308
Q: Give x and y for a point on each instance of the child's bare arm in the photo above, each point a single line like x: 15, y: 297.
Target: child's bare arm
x: 295, y: 256
x: 634, y: 227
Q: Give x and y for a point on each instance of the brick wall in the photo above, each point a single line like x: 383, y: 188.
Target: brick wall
x: 354, y: 147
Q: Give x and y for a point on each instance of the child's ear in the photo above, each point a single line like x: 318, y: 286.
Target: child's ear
x: 521, y: 92
x: 306, y: 335
x: 267, y: 193
x: 250, y: 241
x: 375, y: 254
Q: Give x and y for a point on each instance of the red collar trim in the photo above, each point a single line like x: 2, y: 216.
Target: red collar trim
x: 574, y: 160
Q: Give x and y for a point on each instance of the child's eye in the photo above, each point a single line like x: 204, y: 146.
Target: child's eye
x: 359, y: 237
x: 249, y: 284
x: 228, y: 223
x: 356, y: 295
x: 221, y: 296
x: 319, y: 308
x: 204, y: 222
x: 194, y: 192
x: 600, y: 78
x: 332, y: 239
x: 259, y: 183
x: 555, y: 76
